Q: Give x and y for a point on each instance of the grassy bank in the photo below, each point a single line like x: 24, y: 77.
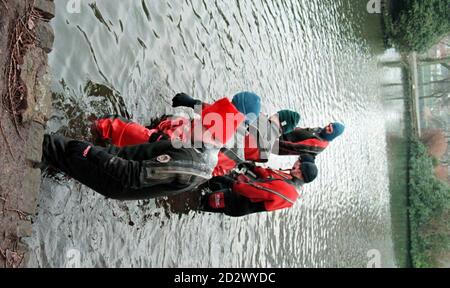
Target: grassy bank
x: 429, y: 207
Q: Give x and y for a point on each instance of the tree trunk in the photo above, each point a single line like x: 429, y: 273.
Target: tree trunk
x: 441, y: 82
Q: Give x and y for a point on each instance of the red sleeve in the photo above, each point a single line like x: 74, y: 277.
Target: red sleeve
x: 261, y: 172
x: 224, y: 165
x: 122, y: 132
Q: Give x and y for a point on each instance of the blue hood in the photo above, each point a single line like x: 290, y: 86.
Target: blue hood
x: 338, y: 129
x: 248, y: 104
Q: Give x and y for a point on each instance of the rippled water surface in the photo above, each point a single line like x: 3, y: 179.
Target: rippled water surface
x: 131, y: 57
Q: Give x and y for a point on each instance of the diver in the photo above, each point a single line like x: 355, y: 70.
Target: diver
x: 130, y: 173
x: 256, y: 189
x: 146, y: 170
x: 310, y: 141
x: 252, y: 144
x: 121, y: 132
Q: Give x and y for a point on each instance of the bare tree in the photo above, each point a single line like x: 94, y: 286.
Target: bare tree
x: 437, y: 95
x: 433, y: 61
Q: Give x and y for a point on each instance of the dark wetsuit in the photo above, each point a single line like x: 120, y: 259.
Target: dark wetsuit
x: 129, y: 173
x: 302, y: 141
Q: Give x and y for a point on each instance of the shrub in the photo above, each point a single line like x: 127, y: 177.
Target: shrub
x: 429, y: 208
x: 418, y: 24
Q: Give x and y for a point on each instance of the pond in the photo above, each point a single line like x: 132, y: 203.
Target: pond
x: 319, y: 58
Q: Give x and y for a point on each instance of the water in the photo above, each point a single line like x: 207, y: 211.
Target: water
x: 131, y: 57
x: 398, y: 125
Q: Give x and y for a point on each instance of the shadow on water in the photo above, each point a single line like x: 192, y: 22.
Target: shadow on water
x: 366, y: 26
x: 179, y: 204
x: 395, y: 7
x: 112, y: 96
x: 398, y: 144
x: 73, y: 113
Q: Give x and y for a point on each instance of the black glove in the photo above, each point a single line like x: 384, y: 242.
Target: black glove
x: 249, y: 165
x: 158, y: 136
x: 221, y: 182
x: 182, y: 99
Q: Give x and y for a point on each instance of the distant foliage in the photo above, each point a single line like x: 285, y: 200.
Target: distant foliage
x: 416, y: 25
x: 429, y: 208
x: 435, y: 140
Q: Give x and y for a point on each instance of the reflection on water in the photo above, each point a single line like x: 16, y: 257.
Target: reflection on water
x: 398, y: 124
x: 131, y: 57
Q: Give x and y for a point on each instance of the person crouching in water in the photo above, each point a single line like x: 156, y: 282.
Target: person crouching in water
x: 257, y: 189
x: 146, y: 170
x: 257, y: 143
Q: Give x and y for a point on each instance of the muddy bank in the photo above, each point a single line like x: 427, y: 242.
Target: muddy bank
x: 26, y: 38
